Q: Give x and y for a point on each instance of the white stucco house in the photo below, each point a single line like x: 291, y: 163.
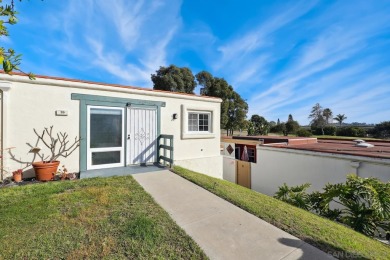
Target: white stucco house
x: 120, y: 126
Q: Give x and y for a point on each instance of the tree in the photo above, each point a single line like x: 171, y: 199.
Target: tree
x: 175, y: 79
x: 278, y: 128
x: 317, y: 118
x: 237, y: 111
x: 245, y: 124
x: 260, y: 125
x: 8, y: 58
x: 327, y: 113
x: 233, y: 107
x: 382, y: 130
x: 272, y: 123
x: 291, y: 127
x: 251, y: 128
x: 340, y: 118
x: 216, y: 87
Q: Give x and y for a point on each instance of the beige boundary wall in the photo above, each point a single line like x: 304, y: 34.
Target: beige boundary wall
x: 32, y: 104
x: 276, y: 166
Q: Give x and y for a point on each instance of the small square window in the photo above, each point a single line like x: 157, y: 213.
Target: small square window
x: 198, y: 122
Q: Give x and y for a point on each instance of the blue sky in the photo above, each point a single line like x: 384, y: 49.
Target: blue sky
x: 281, y: 56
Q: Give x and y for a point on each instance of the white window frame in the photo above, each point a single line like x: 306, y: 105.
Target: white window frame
x: 213, y: 124
x: 208, y: 122
x: 105, y: 149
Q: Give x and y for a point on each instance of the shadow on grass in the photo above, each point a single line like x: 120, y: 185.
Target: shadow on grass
x: 308, y: 252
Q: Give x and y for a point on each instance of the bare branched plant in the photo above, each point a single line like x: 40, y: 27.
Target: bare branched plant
x: 58, y: 145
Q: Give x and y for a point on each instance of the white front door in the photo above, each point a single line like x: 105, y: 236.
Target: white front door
x: 105, y: 138
x: 141, y: 135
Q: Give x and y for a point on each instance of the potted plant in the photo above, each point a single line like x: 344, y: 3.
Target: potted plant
x: 59, y: 146
x: 17, y: 175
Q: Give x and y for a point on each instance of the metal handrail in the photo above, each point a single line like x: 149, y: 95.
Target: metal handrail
x: 166, y: 148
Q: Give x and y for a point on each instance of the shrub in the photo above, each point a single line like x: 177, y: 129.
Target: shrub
x: 351, y: 131
x: 296, y: 196
x: 303, y: 132
x: 330, y: 130
x: 316, y: 130
x: 365, y: 202
x: 280, y: 128
x: 382, y: 130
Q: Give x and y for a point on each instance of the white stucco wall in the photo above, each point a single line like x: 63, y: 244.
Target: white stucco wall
x: 229, y: 169
x: 32, y: 104
x: 211, y: 166
x: 276, y: 166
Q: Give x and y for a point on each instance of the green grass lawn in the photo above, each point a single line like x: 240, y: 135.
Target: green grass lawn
x: 322, y: 233
x: 110, y: 218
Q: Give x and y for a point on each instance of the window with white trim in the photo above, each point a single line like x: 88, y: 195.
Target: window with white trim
x: 199, y: 122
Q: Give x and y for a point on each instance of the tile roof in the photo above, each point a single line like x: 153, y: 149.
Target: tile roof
x: 380, y: 149
x: 108, y: 84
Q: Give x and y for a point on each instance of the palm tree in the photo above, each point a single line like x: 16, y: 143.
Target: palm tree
x: 340, y: 118
x: 327, y: 113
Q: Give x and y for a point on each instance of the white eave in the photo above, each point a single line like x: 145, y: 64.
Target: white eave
x: 59, y: 82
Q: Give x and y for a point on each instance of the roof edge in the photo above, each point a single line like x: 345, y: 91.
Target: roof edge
x: 67, y: 82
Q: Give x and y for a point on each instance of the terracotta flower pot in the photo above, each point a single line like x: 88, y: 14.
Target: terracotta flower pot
x: 45, y: 171
x: 17, y: 177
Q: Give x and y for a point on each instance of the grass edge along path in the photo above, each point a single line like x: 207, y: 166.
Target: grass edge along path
x: 329, y: 236
x: 98, y: 218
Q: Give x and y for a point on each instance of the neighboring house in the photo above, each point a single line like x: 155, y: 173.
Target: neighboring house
x: 306, y: 160
x: 119, y: 125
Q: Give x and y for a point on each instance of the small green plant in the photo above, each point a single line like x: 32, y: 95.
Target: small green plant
x: 364, y: 203
x: 296, y: 196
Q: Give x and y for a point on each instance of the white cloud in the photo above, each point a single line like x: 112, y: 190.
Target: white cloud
x: 292, y: 56
x: 243, y: 45
x: 321, y: 71
x: 125, y: 39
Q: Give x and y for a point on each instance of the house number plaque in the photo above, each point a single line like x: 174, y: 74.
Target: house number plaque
x: 61, y: 112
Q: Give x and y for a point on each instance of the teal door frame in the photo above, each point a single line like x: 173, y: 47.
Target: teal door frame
x: 94, y: 100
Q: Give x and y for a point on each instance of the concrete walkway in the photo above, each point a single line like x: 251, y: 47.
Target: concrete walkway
x: 222, y: 230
